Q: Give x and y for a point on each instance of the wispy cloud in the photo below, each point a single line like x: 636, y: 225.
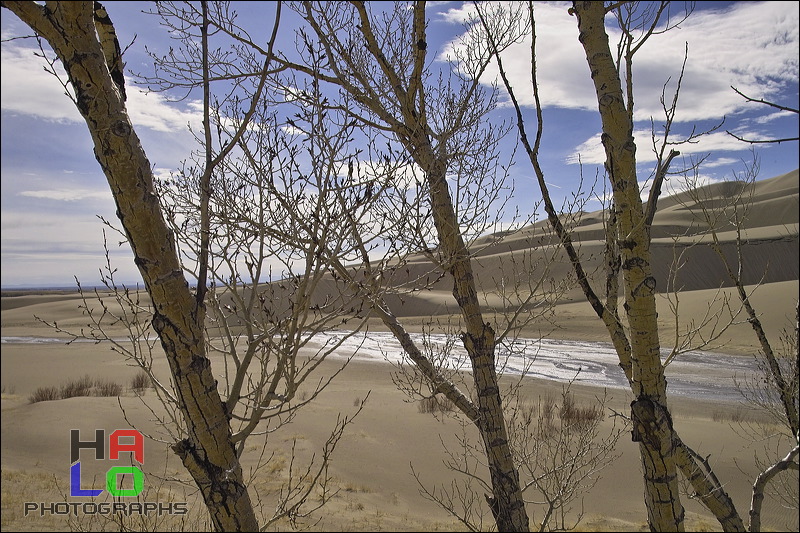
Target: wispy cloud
x: 766, y: 119
x: 28, y: 89
x: 64, y: 247
x: 67, y: 195
x: 591, y: 151
x: 720, y: 162
x: 672, y: 185
x: 751, y: 45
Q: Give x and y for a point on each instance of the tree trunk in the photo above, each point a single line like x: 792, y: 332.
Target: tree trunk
x: 74, y: 30
x: 507, y: 503
x: 651, y: 416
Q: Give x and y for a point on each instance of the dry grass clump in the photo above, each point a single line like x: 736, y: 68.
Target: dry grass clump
x: 19, y: 487
x: 77, y: 387
x: 140, y: 383
x: 549, y: 418
x: 85, y: 386
x: 107, y: 388
x: 737, y: 417
x: 579, y: 416
x: 44, y: 394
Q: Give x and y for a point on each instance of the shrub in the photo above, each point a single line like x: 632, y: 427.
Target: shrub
x: 44, y: 394
x: 78, y: 387
x: 140, y: 382
x: 545, y: 426
x: 572, y: 414
x: 547, y: 407
x: 107, y: 388
x: 84, y: 386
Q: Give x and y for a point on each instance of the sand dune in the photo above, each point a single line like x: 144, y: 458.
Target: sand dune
x: 372, y: 466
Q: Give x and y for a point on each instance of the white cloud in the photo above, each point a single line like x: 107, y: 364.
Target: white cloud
x: 766, y: 119
x: 292, y: 130
x: 28, y: 89
x: 750, y: 45
x: 402, y: 176
x: 163, y: 173
x: 720, y: 162
x: 591, y: 151
x: 154, y: 111
x: 458, y: 15
x: 294, y: 94
x: 67, y: 195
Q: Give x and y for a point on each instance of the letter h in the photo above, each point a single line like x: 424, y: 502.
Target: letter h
x: 76, y: 444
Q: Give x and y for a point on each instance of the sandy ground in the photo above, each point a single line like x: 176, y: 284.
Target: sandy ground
x: 371, y: 469
x: 372, y: 465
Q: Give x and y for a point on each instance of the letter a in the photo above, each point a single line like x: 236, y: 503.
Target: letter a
x: 114, y: 446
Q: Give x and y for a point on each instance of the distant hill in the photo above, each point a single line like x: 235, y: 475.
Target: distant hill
x: 680, y: 236
x: 521, y: 266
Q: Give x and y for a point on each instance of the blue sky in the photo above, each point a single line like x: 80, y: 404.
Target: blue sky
x: 53, y: 189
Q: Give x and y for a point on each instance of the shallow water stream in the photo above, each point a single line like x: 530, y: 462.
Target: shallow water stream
x: 703, y: 375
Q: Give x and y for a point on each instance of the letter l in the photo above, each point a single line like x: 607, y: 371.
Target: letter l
x: 75, y: 483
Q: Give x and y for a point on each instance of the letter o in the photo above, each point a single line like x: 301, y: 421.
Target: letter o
x: 111, y: 481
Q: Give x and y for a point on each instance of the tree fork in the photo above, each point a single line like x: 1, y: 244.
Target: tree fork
x: 652, y: 425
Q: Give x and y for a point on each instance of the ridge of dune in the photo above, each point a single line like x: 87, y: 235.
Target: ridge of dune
x: 377, y: 490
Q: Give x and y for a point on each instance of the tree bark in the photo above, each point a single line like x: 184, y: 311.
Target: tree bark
x: 760, y: 484
x: 409, y: 123
x: 652, y: 421
x: 208, y: 453
x: 507, y: 503
x: 694, y: 468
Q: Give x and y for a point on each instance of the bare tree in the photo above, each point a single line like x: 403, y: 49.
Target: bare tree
x: 769, y: 104
x: 635, y: 338
x: 76, y: 31
x: 773, y: 389
x: 389, y: 84
x: 441, y: 134
x: 443, y: 137
x: 203, y: 235
x: 776, y: 389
